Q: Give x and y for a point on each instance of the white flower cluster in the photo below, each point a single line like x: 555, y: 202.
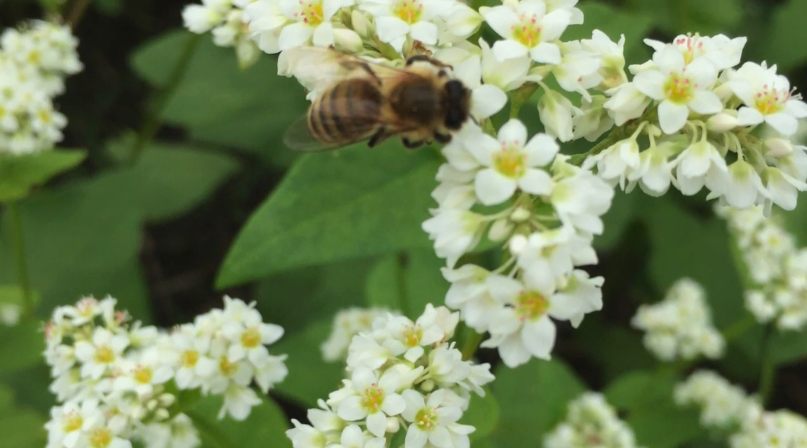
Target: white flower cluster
x: 402, y: 374
x: 549, y: 211
x: 228, y: 24
x: 776, y: 266
x: 727, y: 408
x: 697, y: 113
x: 764, y: 429
x: 680, y: 326
x: 34, y: 61
x: 112, y: 377
x: 591, y: 422
x: 723, y: 405
x: 346, y: 324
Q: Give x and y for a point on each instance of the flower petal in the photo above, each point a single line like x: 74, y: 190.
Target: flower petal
x: 650, y: 83
x: 786, y: 124
x: 541, y: 149
x: 536, y: 182
x: 706, y: 103
x: 545, y: 53
x: 748, y: 116
x: 486, y: 100
x: 513, y: 131
x: 672, y: 117
x: 539, y: 337
x: 492, y: 188
x: 391, y: 28
x: 294, y: 36
x: 500, y: 18
x: 507, y: 49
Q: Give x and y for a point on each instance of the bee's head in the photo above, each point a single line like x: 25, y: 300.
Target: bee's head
x: 458, y: 104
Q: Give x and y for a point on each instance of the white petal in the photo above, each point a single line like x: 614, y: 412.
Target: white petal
x: 539, y: 337
x: 796, y: 108
x: 536, y: 182
x: 391, y: 28
x: 705, y: 103
x: 503, y: 289
x: 492, y: 188
x: 440, y: 437
x: 486, y: 100
x: 425, y: 32
x: 323, y: 35
x: 786, y: 124
x: 500, y: 18
x: 508, y: 49
x: 513, y: 131
x: 541, y: 149
x: 415, y: 438
x: 350, y: 409
x: 748, y: 116
x: 294, y: 36
x: 377, y: 424
x: 394, y: 404
x: 672, y: 117
x: 650, y: 83
x: 545, y: 53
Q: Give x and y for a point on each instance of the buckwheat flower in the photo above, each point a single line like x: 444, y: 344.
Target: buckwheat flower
x: 458, y: 22
x: 581, y: 199
x: 763, y: 429
x: 103, y: 434
x: 512, y: 163
x: 695, y: 163
x: 577, y: 70
x: 238, y: 402
x: 142, y: 377
x: 486, y: 99
x: 100, y: 355
x: 741, y: 185
x: 680, y: 86
x: 397, y: 19
x: 722, y: 405
x: 469, y: 294
x: 202, y: 18
x: 556, y: 113
x: 612, y: 58
x: 69, y: 422
x: 178, y: 433
x: 454, y: 233
x: 592, y: 119
x: 364, y: 351
x: 506, y: 75
x: 680, y: 326
x: 434, y: 421
x: 551, y: 254
x: 767, y: 97
x: 527, y: 29
x: 375, y: 399
x: 523, y: 328
x: 654, y: 173
x: 722, y: 51
x: 192, y: 364
x: 407, y: 338
x: 285, y: 24
x: 354, y: 437
x: 591, y: 421
x: 346, y: 324
x: 305, y: 436
x: 626, y: 102
x: 249, y: 338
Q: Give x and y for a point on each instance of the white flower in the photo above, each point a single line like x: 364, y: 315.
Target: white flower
x: 762, y: 429
x: 527, y: 28
x: 581, y: 199
x: 101, y: 354
x: 375, y: 399
x: 143, y: 376
x: 523, y: 327
x: 305, y: 436
x: 512, y: 163
x: 486, y: 99
x: 469, y: 294
x: 552, y: 254
x: 694, y: 164
x: 397, y: 19
x: 354, y: 437
x: 626, y: 103
x: 454, y: 233
x: 434, y: 421
x: 202, y: 18
x: 612, y: 58
x: 178, y: 433
x: 654, y: 172
x: 720, y: 50
x: 767, y: 98
x: 346, y: 324
x: 591, y: 421
x: 577, y: 70
x: 556, y: 113
x: 741, y: 186
x: 238, y: 401
x: 193, y: 366
x: 408, y: 339
x: 722, y: 404
x: 680, y: 87
x: 284, y: 24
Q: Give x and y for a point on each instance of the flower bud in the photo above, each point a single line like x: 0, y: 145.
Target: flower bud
x: 520, y: 215
x: 427, y: 386
x: 347, y: 40
x: 721, y: 122
x: 517, y: 244
x: 162, y: 414
x: 723, y: 91
x: 778, y: 147
x: 500, y: 230
x: 167, y: 400
x: 393, y: 425
x: 360, y: 23
x: 556, y: 111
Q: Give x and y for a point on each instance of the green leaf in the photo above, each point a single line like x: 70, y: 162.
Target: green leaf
x: 19, y: 174
x: 788, y: 346
x: 415, y: 274
x: 243, y: 109
x: 613, y: 22
x: 13, y: 295
x: 533, y: 399
x: 310, y: 378
x: 381, y: 287
x: 664, y: 425
x: 169, y: 180
x: 695, y: 16
x: 482, y: 414
x: 618, y: 350
x: 265, y: 427
x: 616, y: 220
x: 22, y: 345
x: 302, y: 297
x: 786, y: 28
x: 333, y: 207
x: 640, y: 389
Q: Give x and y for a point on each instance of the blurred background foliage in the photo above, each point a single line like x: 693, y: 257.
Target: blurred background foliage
x: 188, y: 193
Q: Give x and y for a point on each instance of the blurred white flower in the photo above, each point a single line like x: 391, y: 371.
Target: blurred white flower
x: 591, y: 421
x: 722, y: 404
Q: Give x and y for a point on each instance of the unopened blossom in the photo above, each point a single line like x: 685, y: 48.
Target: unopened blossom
x: 590, y: 419
x: 680, y: 327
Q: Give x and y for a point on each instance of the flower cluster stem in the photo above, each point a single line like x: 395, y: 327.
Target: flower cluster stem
x: 767, y: 374
x: 471, y: 344
x: 154, y: 119
x: 17, y: 238
x: 77, y: 12
x: 739, y: 328
x: 401, y: 264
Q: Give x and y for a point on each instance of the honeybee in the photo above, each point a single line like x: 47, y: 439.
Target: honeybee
x: 361, y: 100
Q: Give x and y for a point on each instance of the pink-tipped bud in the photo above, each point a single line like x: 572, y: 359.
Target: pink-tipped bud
x: 721, y: 122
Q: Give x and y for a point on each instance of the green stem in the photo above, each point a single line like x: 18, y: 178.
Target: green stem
x: 77, y: 12
x: 767, y: 374
x: 400, y: 278
x: 615, y: 136
x: 208, y: 429
x: 154, y: 119
x: 470, y: 345
x: 17, y: 238
x: 738, y: 328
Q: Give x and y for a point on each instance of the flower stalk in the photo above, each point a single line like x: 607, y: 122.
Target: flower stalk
x: 17, y: 238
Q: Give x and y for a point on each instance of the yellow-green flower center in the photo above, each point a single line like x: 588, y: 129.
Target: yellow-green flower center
x: 372, y: 399
x: 769, y: 101
x: 143, y: 374
x: 531, y: 305
x: 426, y: 419
x: 189, y: 358
x: 104, y: 355
x: 227, y: 368
x: 311, y: 12
x: 527, y: 31
x: 411, y: 336
x: 100, y: 438
x: 72, y: 422
x: 679, y: 89
x: 510, y: 162
x: 410, y: 11
x: 251, y: 338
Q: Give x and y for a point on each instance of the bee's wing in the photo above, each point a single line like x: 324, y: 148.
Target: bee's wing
x: 318, y: 68
x: 299, y: 138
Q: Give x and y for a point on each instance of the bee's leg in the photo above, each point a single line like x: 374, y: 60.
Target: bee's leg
x: 352, y: 65
x: 442, y: 138
x: 409, y: 144
x: 380, y: 135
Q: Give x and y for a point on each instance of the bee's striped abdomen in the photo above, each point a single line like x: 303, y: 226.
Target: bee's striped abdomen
x: 349, y: 111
